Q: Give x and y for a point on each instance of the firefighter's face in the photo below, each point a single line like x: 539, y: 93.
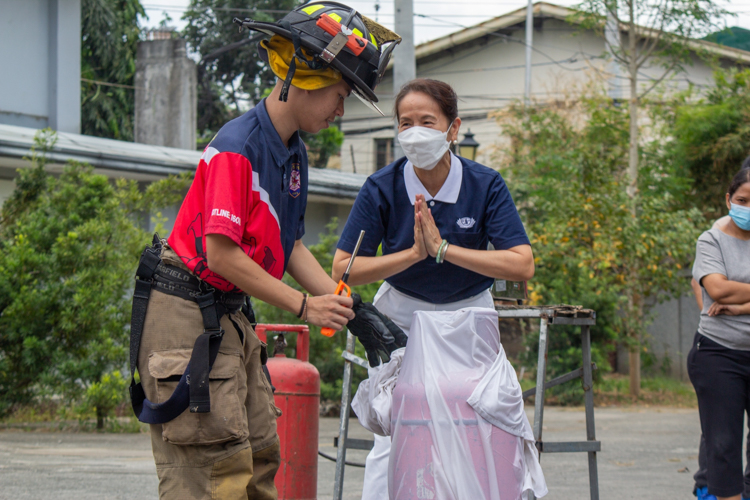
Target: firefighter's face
x: 319, y: 108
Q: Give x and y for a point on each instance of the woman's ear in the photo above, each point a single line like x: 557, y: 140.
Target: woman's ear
x: 453, y: 132
x: 729, y: 203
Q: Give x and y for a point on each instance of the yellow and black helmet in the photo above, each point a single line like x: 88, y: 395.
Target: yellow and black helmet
x: 328, y: 35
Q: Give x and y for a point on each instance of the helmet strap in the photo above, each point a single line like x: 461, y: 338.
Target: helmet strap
x: 312, y: 63
x: 284, y: 94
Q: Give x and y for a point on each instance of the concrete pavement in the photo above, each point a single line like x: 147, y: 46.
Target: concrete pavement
x: 646, y: 453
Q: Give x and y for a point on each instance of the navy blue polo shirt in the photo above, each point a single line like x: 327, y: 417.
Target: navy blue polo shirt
x: 473, y: 207
x: 250, y: 187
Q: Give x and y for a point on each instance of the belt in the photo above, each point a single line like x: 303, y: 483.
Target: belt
x: 173, y: 280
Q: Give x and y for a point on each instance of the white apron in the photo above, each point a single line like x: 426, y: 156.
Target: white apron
x: 400, y: 308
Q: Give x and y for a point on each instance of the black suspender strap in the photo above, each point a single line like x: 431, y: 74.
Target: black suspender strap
x: 200, y: 364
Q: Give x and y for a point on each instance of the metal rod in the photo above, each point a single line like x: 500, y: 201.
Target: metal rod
x: 571, y: 447
x: 338, y: 483
x: 588, y: 388
x: 355, y: 359
x: 558, y: 380
x: 354, y: 254
x: 541, y: 372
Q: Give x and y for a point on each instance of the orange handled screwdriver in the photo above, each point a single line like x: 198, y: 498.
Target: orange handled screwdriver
x: 328, y: 332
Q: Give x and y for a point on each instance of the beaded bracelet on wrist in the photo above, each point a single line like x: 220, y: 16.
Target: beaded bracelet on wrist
x: 439, y: 254
x: 445, y: 250
x: 304, y: 305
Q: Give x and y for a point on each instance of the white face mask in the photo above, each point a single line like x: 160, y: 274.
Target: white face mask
x: 424, y: 146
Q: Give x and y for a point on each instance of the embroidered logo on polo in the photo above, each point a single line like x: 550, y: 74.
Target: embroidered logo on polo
x: 466, y: 222
x: 295, y: 181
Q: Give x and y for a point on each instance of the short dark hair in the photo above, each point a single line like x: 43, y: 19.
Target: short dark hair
x: 442, y: 93
x: 739, y: 179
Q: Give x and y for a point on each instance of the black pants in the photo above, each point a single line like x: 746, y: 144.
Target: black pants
x: 721, y: 378
x: 701, y: 477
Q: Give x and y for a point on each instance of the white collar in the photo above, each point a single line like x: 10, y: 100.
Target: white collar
x: 448, y: 192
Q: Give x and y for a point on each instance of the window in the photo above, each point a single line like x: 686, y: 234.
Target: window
x: 383, y: 152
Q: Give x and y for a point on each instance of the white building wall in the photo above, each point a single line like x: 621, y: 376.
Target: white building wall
x: 24, y: 40
x: 40, y: 53
x: 489, y: 74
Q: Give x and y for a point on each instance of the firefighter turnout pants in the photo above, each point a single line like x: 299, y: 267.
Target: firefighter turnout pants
x: 232, y: 452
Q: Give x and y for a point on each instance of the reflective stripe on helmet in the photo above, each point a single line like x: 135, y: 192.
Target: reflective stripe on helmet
x: 312, y: 9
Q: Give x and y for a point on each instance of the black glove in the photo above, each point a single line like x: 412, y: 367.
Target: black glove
x: 378, y: 335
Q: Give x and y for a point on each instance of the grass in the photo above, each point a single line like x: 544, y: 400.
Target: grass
x: 613, y: 389
x: 51, y: 416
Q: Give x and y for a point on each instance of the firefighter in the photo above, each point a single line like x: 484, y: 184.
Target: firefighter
x: 203, y: 384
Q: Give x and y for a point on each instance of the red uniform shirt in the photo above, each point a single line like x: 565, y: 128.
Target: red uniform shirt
x: 236, y: 193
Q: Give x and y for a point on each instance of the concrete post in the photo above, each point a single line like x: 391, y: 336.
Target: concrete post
x: 166, y: 98
x: 64, y: 92
x: 404, y: 60
x: 529, y: 43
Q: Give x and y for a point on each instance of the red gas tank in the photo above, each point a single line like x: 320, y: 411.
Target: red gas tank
x: 297, y: 394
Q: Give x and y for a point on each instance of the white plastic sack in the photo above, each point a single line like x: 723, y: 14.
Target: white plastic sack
x: 444, y: 449
x: 373, y: 400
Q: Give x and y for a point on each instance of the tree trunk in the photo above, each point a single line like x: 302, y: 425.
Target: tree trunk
x: 632, y: 190
x: 99, y: 419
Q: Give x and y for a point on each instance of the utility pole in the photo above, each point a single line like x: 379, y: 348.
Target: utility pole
x: 529, y: 42
x: 404, y: 63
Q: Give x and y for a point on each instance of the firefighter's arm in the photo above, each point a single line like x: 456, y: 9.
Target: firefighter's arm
x: 227, y: 259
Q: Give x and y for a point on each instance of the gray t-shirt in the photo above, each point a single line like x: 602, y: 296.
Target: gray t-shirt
x: 719, y: 253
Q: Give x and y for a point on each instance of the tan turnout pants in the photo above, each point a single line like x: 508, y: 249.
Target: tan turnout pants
x: 231, y: 452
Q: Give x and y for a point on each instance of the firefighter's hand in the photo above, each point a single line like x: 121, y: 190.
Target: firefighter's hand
x: 330, y: 311
x: 376, y: 332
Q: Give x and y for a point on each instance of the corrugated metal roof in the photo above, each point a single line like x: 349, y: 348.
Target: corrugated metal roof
x: 147, y: 162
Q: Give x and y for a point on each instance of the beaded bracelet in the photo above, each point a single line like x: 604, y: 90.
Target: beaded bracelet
x: 445, y: 251
x: 441, y: 252
x: 304, y: 305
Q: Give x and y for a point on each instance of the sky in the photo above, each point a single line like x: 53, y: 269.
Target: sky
x: 442, y: 18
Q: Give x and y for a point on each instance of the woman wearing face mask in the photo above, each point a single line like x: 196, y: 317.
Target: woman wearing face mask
x: 434, y: 215
x: 719, y: 362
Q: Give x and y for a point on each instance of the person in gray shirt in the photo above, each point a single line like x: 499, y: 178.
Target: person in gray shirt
x: 719, y: 362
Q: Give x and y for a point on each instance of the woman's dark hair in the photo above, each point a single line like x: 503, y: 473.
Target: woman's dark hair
x: 440, y: 92
x: 739, y: 179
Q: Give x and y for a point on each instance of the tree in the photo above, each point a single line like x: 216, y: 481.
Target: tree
x: 323, y: 145
x: 68, y: 250
x: 660, y: 34
x: 565, y: 168
x: 712, y: 138
x: 230, y: 73
x: 109, y: 41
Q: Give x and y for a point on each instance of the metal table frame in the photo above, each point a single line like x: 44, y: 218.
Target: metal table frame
x: 548, y: 316
x: 562, y: 315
